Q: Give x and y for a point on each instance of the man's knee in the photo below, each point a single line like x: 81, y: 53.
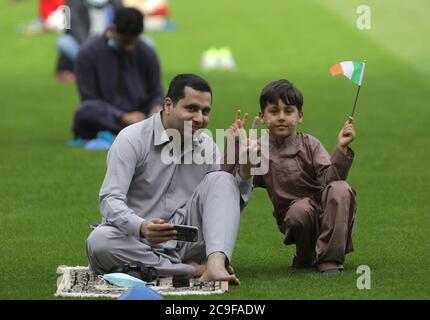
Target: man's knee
x: 220, y: 179
x: 98, y: 243
x: 86, y: 111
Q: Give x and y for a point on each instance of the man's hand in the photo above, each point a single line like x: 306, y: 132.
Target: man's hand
x: 132, y: 117
x: 157, y: 231
x: 346, y: 135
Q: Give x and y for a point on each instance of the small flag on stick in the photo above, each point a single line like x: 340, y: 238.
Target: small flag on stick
x: 354, y: 71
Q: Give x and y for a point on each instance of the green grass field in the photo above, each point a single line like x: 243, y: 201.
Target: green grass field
x: 49, y: 192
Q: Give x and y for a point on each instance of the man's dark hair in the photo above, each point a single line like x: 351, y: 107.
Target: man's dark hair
x: 179, y: 82
x: 281, y: 89
x: 128, y: 21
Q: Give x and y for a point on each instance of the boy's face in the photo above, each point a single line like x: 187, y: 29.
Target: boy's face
x: 281, y: 119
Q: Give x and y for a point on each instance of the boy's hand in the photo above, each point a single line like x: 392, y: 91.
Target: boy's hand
x: 346, y: 135
x: 247, y: 145
x: 237, y: 127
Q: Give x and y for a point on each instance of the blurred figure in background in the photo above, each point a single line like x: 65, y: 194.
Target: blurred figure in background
x: 155, y: 11
x: 49, y: 14
x: 88, y: 18
x: 50, y: 18
x: 118, y: 78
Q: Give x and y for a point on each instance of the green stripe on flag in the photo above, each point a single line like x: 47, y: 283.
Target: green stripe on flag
x: 358, y: 70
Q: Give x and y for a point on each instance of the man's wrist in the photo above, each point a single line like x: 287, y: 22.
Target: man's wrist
x: 142, y: 235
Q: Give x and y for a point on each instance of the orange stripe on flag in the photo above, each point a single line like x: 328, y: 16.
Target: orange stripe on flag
x: 336, y: 69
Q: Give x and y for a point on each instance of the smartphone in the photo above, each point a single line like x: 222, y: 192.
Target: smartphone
x: 186, y: 233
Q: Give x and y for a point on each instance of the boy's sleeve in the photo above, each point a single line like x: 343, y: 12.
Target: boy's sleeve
x: 233, y: 168
x: 332, y: 168
x: 245, y: 187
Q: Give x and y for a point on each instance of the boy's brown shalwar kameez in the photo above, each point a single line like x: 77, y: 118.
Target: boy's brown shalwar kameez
x: 313, y: 205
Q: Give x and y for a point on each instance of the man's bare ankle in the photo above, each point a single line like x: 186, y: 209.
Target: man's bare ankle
x: 217, y: 258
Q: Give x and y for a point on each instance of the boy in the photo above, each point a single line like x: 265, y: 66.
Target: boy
x: 313, y: 205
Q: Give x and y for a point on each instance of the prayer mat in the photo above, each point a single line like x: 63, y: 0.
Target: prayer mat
x: 81, y: 282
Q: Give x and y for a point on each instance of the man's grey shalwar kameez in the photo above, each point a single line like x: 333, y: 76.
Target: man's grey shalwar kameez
x: 139, y: 186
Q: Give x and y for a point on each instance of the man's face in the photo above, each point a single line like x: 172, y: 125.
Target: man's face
x: 126, y: 43
x: 195, y: 106
x: 281, y: 119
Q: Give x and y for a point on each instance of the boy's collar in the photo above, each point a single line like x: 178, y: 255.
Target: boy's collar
x: 289, y: 146
x: 287, y: 141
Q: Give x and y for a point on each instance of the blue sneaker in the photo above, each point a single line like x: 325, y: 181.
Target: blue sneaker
x: 103, y: 141
x: 97, y: 144
x: 77, y: 142
x: 106, y: 136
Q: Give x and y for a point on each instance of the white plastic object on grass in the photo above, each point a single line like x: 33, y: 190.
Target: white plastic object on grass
x: 123, y: 280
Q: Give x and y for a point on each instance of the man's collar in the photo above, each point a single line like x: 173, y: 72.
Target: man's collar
x: 160, y: 135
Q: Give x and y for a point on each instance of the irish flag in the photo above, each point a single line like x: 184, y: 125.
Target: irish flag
x: 353, y: 70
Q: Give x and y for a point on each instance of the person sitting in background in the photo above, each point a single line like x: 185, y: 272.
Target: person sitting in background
x: 50, y: 18
x: 48, y: 11
x: 155, y: 11
x: 88, y: 18
x: 118, y: 78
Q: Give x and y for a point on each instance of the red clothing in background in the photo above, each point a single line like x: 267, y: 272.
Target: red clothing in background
x: 46, y: 7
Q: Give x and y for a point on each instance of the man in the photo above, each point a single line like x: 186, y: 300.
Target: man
x: 142, y: 196
x: 118, y: 78
x: 87, y: 18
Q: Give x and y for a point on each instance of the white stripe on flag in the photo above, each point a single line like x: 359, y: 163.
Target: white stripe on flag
x: 348, y: 68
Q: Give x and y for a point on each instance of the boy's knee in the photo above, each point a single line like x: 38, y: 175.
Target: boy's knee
x: 297, y: 214
x: 340, y: 190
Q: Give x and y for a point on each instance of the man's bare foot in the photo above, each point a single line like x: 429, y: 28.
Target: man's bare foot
x: 200, y: 268
x: 230, y: 269
x: 216, y: 271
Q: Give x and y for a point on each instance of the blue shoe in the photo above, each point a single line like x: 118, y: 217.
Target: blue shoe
x: 97, y: 144
x: 77, y: 142
x: 106, y: 136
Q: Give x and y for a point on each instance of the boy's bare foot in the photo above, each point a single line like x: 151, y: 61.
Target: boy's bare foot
x: 200, y: 268
x: 216, y: 271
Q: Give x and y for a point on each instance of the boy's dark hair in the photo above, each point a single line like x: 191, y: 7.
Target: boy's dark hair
x: 128, y: 21
x: 180, y: 81
x: 281, y: 89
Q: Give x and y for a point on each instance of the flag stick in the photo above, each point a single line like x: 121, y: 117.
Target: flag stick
x: 358, y: 92
x: 355, y: 102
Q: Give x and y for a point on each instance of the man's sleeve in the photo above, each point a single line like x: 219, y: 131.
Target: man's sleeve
x: 155, y: 96
x: 85, y: 71
x: 121, y: 163
x: 86, y: 80
x: 332, y: 168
